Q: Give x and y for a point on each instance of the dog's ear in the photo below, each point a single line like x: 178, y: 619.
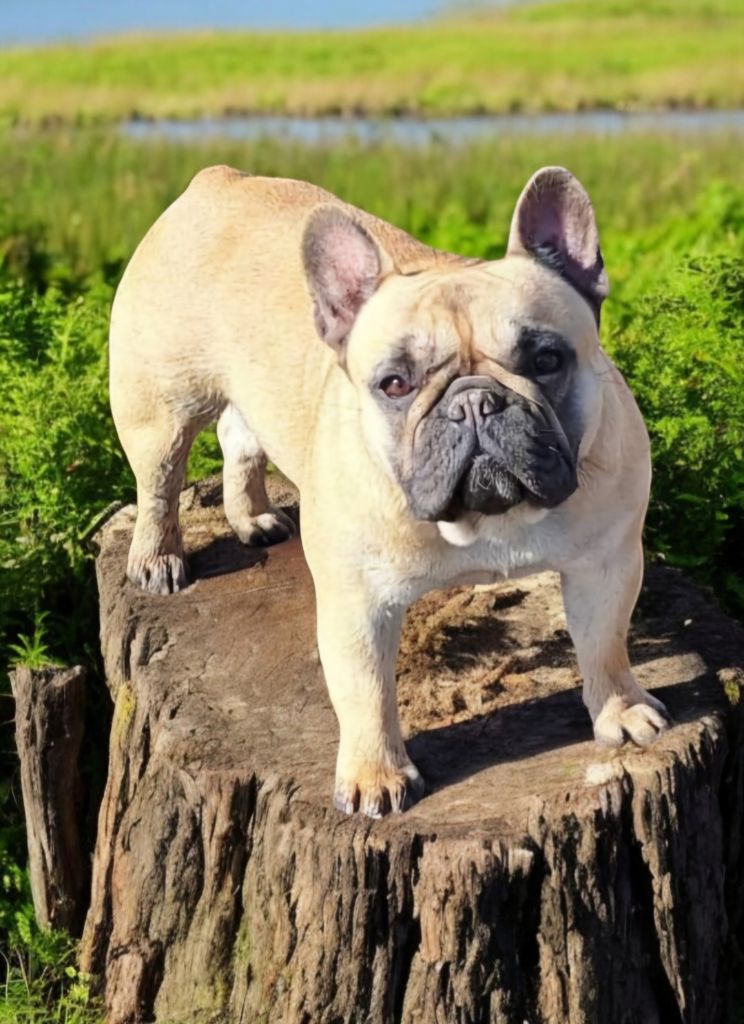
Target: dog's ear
x: 344, y: 266
x: 554, y: 222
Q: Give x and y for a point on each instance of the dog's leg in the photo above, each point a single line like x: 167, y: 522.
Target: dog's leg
x: 157, y: 451
x: 599, y: 603
x: 358, y: 645
x: 246, y: 503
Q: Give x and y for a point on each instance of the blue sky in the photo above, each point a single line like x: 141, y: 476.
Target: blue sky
x: 22, y: 20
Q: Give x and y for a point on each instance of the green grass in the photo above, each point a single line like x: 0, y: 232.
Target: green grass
x: 40, y: 982
x: 566, y: 55
x: 73, y: 208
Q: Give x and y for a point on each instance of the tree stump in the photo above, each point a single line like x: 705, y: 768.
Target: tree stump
x: 49, y: 714
x: 542, y: 880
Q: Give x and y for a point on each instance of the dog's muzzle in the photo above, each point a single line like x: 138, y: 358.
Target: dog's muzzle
x: 485, y: 448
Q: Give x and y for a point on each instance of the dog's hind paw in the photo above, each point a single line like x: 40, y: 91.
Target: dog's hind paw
x: 265, y: 529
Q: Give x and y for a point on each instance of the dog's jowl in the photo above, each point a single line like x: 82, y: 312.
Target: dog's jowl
x: 444, y: 419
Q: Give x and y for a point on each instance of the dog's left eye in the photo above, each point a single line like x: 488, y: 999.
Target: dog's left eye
x: 546, y: 362
x: 396, y: 386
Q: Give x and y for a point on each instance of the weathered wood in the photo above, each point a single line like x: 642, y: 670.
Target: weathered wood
x: 49, y: 720
x: 541, y: 880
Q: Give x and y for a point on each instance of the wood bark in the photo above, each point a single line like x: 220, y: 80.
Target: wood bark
x: 49, y: 729
x: 541, y: 880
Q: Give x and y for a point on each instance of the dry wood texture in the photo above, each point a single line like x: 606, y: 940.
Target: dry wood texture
x: 542, y: 880
x: 49, y: 729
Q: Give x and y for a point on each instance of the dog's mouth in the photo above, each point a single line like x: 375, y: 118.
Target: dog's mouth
x: 485, y: 487
x: 485, y: 449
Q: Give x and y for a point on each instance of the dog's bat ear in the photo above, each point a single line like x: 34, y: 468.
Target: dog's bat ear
x: 344, y: 266
x: 554, y: 222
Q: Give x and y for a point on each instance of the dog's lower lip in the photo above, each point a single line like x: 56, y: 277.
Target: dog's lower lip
x: 492, y: 504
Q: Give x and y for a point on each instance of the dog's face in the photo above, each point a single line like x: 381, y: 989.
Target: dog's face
x: 475, y: 385
x: 475, y: 382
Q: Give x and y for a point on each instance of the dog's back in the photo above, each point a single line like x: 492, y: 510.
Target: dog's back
x: 218, y: 277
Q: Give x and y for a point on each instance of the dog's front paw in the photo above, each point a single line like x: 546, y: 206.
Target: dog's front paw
x: 160, y: 574
x: 640, y: 718
x: 265, y: 529
x: 378, y: 789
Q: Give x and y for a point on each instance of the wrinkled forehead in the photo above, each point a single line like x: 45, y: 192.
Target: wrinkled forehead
x: 483, y: 308
x: 518, y: 288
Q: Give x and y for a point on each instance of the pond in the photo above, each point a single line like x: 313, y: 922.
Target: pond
x: 415, y: 131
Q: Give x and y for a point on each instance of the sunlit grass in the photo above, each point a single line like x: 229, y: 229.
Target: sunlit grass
x: 81, y: 201
x: 557, y: 56
x: 73, y: 206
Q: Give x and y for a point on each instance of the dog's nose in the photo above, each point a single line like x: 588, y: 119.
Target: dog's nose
x: 456, y: 409
x: 479, y: 402
x: 491, y: 403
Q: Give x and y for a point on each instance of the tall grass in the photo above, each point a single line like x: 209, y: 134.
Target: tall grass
x: 74, y: 205
x: 564, y: 55
x: 73, y: 208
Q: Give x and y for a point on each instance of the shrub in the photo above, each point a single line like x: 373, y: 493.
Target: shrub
x: 678, y: 336
x: 59, y: 457
x: 41, y: 980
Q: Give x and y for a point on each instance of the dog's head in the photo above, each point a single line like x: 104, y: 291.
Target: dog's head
x: 475, y: 380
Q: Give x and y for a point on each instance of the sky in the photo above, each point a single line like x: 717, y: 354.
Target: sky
x: 42, y: 20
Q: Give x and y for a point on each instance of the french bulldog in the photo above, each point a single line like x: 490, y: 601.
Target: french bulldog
x: 444, y: 419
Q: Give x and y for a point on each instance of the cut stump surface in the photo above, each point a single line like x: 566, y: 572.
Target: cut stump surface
x: 541, y: 880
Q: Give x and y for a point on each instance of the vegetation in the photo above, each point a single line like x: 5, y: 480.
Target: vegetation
x: 57, y: 449
x: 671, y: 215
x: 681, y: 347
x: 564, y: 55
x: 41, y: 983
x: 72, y: 208
x: 671, y: 218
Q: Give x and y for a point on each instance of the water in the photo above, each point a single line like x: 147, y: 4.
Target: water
x: 420, y: 131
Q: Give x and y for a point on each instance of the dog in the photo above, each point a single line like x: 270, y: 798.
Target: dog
x: 446, y: 420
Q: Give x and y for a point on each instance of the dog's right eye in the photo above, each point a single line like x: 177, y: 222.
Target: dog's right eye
x: 396, y: 386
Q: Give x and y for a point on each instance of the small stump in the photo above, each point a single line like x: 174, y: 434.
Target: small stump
x: 49, y: 719
x: 541, y: 880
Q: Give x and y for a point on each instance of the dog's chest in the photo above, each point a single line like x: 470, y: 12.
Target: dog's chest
x: 509, y: 551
